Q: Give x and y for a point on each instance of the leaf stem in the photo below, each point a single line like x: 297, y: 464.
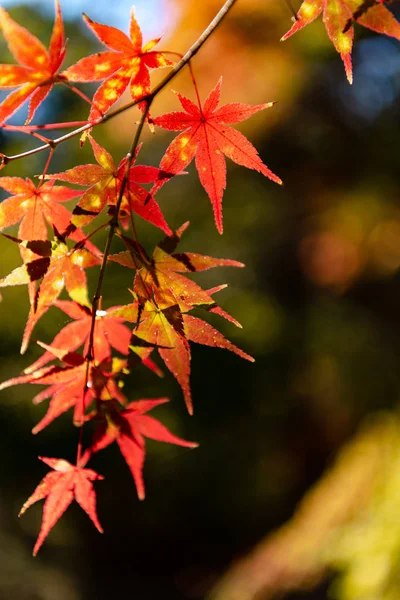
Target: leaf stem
x: 290, y: 7
x: 28, y: 130
x: 76, y: 91
x: 193, y: 78
x: 46, y: 166
x: 135, y: 236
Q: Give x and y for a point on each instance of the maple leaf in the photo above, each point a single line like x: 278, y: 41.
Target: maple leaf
x: 207, y: 137
x: 217, y: 310
x: 66, y: 385
x: 60, y: 487
x: 57, y: 266
x: 170, y: 331
x: 128, y: 428
x: 105, y: 179
x: 159, y: 279
x: 162, y: 297
x: 33, y: 206
x: 36, y: 73
x: 362, y: 9
x: 109, y: 332
x: 338, y: 16
x: 127, y: 62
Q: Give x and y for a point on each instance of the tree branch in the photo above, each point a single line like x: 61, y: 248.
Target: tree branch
x: 149, y: 98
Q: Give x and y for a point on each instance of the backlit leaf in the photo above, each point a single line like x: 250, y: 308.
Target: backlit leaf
x: 207, y: 137
x: 39, y: 71
x: 60, y: 487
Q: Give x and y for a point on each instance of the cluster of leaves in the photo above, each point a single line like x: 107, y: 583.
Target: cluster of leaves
x: 84, y: 366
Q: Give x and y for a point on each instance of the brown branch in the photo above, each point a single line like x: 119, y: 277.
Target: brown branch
x: 97, y: 295
x: 290, y: 7
x: 149, y: 98
x: 113, y: 226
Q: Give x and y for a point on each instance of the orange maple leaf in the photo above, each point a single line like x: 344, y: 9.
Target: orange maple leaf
x: 109, y: 332
x: 159, y: 278
x: 66, y: 384
x: 33, y: 205
x: 338, y: 16
x: 169, y: 330
x: 37, y: 71
x: 127, y: 62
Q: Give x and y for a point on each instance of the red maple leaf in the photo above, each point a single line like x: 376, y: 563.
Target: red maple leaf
x: 128, y: 428
x: 36, y: 74
x: 66, y: 385
x: 109, y: 332
x: 104, y: 180
x: 127, y: 62
x: 338, y: 16
x: 207, y: 136
x: 60, y: 487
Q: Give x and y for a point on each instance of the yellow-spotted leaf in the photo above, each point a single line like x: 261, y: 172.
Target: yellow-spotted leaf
x: 126, y: 63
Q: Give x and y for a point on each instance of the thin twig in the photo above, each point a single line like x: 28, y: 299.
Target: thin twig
x: 113, y: 226
x: 290, y: 7
x: 30, y: 128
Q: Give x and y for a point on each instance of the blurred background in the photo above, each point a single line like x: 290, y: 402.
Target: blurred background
x: 316, y: 417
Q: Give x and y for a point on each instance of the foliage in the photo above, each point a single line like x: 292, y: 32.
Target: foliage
x: 100, y: 346
x: 89, y: 381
